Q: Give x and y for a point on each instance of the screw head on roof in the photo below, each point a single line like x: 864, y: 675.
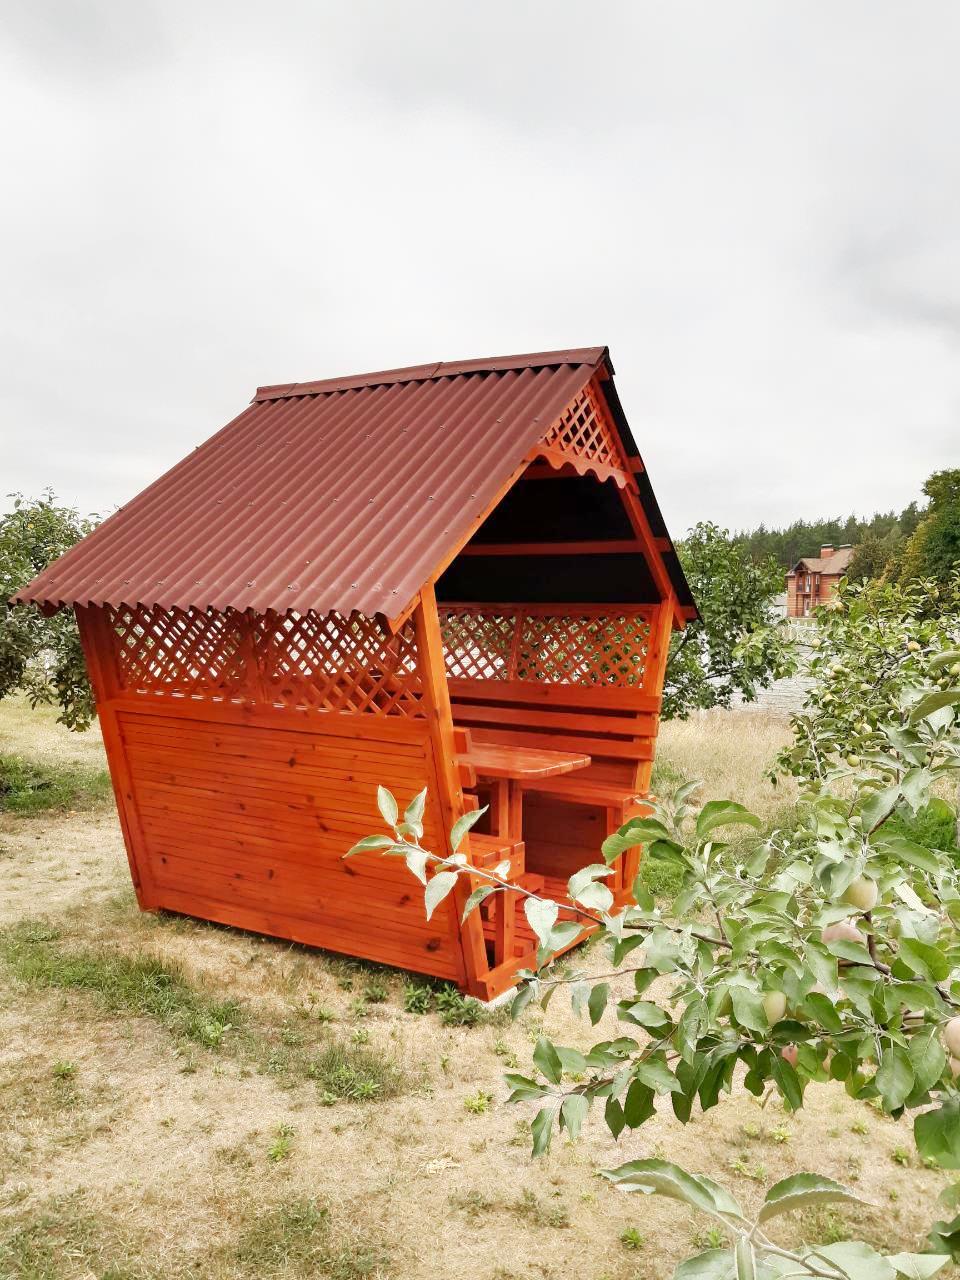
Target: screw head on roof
x: 354, y: 586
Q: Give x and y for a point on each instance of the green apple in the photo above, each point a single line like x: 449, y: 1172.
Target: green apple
x: 951, y: 1037
x: 861, y: 893
x: 774, y: 1006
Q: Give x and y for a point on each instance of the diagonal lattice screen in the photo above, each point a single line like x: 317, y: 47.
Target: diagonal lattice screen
x: 338, y: 664
x: 327, y: 663
x: 503, y: 642
x: 584, y: 432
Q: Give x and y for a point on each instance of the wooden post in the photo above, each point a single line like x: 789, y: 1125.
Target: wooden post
x: 433, y: 675
x: 99, y: 651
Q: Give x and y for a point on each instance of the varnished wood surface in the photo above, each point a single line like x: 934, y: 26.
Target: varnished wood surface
x: 504, y: 760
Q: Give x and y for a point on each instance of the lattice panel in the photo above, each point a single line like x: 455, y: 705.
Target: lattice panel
x: 584, y: 432
x: 176, y: 651
x: 327, y: 663
x: 334, y: 663
x: 587, y: 650
x: 544, y: 647
x: 478, y: 646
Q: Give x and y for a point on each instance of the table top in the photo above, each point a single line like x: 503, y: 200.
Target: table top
x: 502, y: 760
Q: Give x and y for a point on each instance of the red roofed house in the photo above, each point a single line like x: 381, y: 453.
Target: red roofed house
x: 811, y: 581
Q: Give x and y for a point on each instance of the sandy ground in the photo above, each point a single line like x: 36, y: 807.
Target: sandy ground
x: 152, y: 1160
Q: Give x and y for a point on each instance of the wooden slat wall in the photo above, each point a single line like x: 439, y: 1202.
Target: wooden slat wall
x: 247, y: 824
x: 242, y: 815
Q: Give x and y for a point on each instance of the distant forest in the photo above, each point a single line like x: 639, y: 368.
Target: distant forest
x: 805, y: 537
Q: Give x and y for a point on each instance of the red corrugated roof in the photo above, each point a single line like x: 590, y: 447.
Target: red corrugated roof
x: 341, y: 494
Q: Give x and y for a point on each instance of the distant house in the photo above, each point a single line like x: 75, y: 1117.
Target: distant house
x: 812, y: 580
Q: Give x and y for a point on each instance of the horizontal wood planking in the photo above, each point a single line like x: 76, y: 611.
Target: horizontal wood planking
x: 642, y: 724
x: 599, y: 697
x: 638, y: 749
x: 341, y: 724
x: 248, y: 818
x: 265, y: 919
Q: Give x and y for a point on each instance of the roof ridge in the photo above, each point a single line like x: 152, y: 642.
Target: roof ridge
x: 441, y: 369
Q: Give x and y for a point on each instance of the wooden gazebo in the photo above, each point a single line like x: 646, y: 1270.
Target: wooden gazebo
x: 453, y: 576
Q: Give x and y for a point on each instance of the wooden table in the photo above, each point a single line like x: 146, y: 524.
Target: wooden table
x: 507, y: 766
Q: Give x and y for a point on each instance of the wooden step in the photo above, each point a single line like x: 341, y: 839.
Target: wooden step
x: 487, y: 851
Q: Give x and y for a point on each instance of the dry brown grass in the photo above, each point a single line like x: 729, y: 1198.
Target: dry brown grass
x: 153, y: 1157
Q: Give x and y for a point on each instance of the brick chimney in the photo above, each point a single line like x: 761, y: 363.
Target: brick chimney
x: 826, y: 549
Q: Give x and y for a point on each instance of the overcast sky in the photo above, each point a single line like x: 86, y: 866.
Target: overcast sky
x: 754, y: 204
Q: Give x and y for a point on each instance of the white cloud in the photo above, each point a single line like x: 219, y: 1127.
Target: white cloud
x: 753, y: 203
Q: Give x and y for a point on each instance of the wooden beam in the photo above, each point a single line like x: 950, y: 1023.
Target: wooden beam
x: 430, y: 661
x: 612, y: 546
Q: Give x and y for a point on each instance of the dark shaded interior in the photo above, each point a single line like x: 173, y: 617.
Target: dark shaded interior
x: 579, y: 579
x: 557, y: 508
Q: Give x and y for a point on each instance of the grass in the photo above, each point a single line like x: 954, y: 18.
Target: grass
x: 30, y: 787
x: 139, y: 985
x: 296, y: 1239
x: 353, y: 1072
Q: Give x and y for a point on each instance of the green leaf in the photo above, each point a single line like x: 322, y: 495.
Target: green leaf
x: 894, y: 1077
x: 562, y: 934
x: 927, y: 1057
x: 658, y: 1076
x: 937, y: 1134
x: 598, y: 1002
x: 437, y: 889
x: 933, y: 702
x: 523, y: 1088
x: 463, y: 825
x: 643, y: 1013
x: 542, y: 1130
x: 944, y: 1237
x: 721, y: 813
x: 638, y: 1104
x: 857, y: 1260
x: 824, y: 1010
x: 541, y: 915
x: 640, y: 831
x: 788, y: 1082
x: 586, y: 876
x: 548, y: 1060
x: 414, y: 810
x: 917, y: 1266
x: 368, y: 843
x: 416, y: 860
x: 660, y: 1177
x: 613, y: 1116
x: 946, y: 658
x: 595, y: 896
x: 387, y: 806
x: 926, y: 960
x: 800, y: 1190
x: 714, y: 1264
x: 903, y: 850
x: 879, y: 806
x: 746, y: 1263
x: 748, y: 1009
x: 478, y: 895
x: 573, y: 1112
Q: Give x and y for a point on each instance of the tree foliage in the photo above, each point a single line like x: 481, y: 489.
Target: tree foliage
x: 933, y: 551
x: 828, y: 950
x: 806, y: 537
x: 736, y: 648
x: 872, y: 641
x: 41, y: 655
